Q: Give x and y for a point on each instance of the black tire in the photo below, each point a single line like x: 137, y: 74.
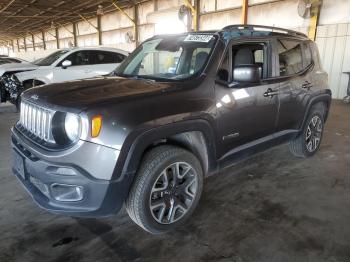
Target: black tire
x: 154, y: 164
x: 28, y: 84
x: 300, y: 146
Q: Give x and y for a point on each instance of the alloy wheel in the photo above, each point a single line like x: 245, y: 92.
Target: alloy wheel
x: 314, y: 133
x: 173, y: 192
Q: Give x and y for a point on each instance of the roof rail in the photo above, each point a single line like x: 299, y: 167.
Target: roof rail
x: 265, y: 28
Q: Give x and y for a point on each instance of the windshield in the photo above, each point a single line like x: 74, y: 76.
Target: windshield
x: 50, y: 59
x: 169, y: 57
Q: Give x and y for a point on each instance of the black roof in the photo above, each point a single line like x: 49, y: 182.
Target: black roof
x: 258, y: 30
x: 236, y: 31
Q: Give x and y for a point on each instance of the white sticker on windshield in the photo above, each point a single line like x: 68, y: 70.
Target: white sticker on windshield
x: 198, y: 38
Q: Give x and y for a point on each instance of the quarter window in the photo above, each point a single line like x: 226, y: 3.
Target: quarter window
x: 224, y: 69
x: 290, y: 57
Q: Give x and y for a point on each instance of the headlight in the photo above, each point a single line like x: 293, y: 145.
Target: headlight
x: 72, y: 126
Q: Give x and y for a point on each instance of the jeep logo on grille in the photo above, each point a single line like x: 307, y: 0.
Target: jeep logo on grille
x: 34, y: 97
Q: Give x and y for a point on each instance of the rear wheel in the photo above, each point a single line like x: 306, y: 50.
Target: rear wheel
x: 309, y: 141
x: 166, y: 189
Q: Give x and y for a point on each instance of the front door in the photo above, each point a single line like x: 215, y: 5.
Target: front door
x: 82, y: 67
x: 246, y: 111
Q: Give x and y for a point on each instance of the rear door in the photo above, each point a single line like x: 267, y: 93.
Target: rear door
x: 293, y: 68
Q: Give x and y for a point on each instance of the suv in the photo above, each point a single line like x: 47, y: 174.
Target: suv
x: 178, y: 109
x: 62, y: 65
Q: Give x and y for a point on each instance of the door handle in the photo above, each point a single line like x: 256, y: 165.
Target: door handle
x: 306, y: 85
x: 270, y: 93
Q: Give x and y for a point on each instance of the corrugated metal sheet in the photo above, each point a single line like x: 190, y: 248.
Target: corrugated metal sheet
x: 215, y: 21
x: 334, y: 45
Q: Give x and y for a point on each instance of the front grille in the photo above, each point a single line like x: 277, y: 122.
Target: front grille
x: 36, y: 120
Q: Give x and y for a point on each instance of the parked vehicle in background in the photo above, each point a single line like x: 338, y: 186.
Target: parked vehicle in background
x: 9, y: 60
x: 179, y: 108
x: 9, y: 88
x: 62, y: 65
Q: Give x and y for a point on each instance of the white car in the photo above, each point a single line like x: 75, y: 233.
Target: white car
x: 62, y: 65
x: 16, y: 67
x: 72, y: 64
x: 9, y: 60
x: 9, y: 89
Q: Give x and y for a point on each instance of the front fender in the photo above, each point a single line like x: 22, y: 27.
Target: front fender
x: 25, y: 76
x: 136, y: 144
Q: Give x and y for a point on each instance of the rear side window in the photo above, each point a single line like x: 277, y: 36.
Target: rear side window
x: 290, y: 57
x: 308, y: 55
x: 105, y: 57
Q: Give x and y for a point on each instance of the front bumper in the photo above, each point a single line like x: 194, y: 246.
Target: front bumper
x: 98, y: 197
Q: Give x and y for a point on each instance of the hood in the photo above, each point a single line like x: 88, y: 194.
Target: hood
x: 79, y: 94
x: 16, y: 67
x: 32, y: 73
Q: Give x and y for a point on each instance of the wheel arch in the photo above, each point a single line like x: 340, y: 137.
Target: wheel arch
x: 323, y: 98
x: 36, y: 81
x: 197, y: 136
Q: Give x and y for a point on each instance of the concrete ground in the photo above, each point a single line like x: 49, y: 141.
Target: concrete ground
x: 272, y: 207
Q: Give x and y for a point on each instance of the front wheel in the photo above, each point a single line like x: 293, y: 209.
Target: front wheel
x: 309, y: 141
x: 166, y: 189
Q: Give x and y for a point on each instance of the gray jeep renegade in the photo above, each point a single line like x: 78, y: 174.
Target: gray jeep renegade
x: 179, y: 108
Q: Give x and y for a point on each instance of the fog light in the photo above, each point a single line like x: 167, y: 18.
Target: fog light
x: 68, y: 193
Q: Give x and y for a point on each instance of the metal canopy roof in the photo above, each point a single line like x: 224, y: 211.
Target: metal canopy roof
x: 20, y: 18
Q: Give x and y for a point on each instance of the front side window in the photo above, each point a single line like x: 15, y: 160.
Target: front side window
x: 290, y: 57
x: 250, y: 56
x: 80, y: 58
x: 50, y: 59
x: 169, y: 58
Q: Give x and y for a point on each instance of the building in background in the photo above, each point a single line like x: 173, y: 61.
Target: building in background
x: 161, y: 16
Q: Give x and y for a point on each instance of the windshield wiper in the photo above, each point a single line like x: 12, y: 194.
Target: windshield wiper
x: 136, y: 77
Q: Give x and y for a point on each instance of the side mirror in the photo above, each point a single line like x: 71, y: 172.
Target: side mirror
x: 66, y: 63
x: 246, y: 74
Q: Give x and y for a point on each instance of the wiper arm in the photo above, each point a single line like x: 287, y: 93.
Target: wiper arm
x: 136, y: 77
x: 142, y: 78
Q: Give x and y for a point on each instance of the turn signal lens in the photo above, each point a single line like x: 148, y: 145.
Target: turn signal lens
x: 96, y: 124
